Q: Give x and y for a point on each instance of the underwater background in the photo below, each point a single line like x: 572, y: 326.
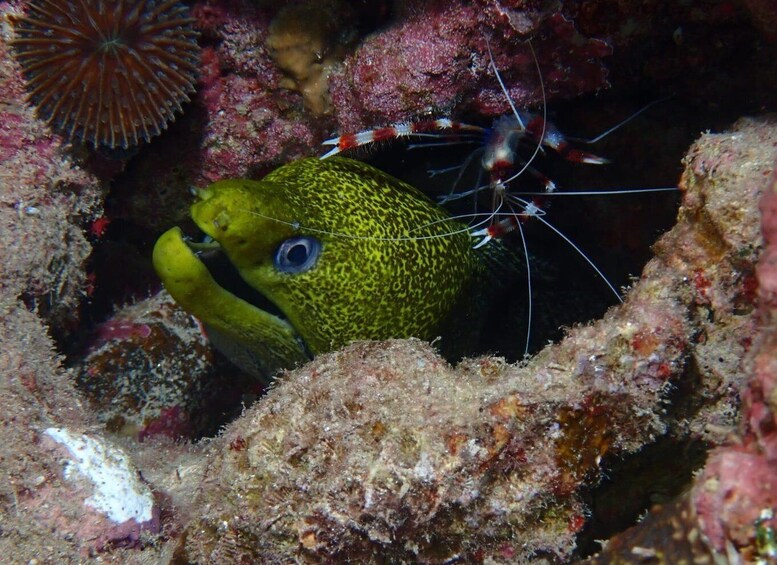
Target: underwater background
x: 129, y: 438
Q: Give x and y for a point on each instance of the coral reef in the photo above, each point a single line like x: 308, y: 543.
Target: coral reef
x: 35, y: 393
x: 383, y: 451
x: 406, y: 71
x: 434, y: 60
x: 46, y: 201
x: 46, y: 198
x: 242, y: 122
x: 104, y: 481
x: 427, y: 59
x: 107, y: 76
x: 723, y: 284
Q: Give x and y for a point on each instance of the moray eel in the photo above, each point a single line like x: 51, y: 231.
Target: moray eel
x: 342, y: 252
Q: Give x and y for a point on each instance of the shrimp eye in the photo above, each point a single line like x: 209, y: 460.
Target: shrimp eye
x: 297, y: 254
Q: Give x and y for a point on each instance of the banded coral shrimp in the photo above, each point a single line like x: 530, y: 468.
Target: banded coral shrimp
x: 505, y: 151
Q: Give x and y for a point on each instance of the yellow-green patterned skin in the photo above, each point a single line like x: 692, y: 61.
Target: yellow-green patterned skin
x: 392, y: 263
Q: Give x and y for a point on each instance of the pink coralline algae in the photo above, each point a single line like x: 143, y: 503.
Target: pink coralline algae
x: 245, y: 129
x: 254, y: 116
x: 734, y: 497
x: 433, y: 60
x: 251, y: 121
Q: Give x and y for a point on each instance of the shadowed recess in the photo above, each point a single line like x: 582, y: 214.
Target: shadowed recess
x: 109, y: 73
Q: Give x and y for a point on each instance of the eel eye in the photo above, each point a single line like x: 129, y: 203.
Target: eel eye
x: 297, y: 254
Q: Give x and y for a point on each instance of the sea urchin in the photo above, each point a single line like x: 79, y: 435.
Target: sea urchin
x: 107, y: 72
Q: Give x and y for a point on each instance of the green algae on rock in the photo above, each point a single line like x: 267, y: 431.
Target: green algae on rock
x: 342, y: 250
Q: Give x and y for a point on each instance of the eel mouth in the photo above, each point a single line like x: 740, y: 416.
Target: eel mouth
x: 226, y: 275
x: 204, y: 282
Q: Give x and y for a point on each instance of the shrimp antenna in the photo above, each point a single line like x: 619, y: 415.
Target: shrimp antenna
x: 492, y: 64
x: 621, y: 123
x: 528, y: 288
x: 602, y: 192
x: 531, y: 210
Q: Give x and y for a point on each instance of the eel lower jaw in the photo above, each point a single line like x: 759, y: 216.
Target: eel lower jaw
x: 212, y: 255
x: 192, y: 273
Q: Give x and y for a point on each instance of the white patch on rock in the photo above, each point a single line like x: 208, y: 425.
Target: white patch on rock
x: 424, y: 469
x: 118, y: 493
